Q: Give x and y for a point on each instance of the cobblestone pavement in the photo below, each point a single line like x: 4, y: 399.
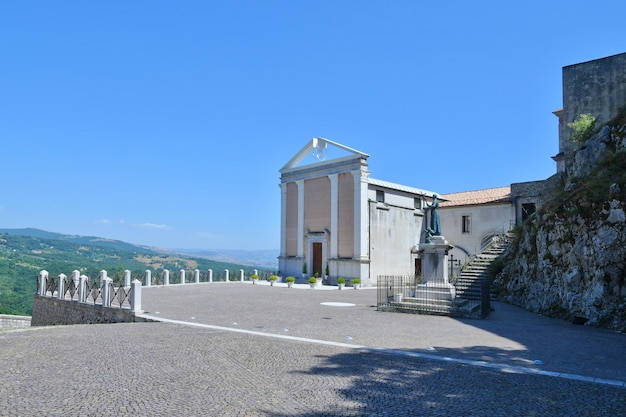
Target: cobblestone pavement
x: 167, y: 369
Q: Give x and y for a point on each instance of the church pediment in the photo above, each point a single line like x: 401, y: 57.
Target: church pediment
x: 321, y: 150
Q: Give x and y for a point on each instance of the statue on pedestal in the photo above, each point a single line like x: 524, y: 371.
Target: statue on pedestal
x: 435, y: 223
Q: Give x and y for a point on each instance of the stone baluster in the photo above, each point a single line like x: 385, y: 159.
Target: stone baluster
x: 126, y: 278
x: 43, y: 282
x: 226, y: 275
x: 148, y: 277
x: 182, y: 276
x: 166, y: 277
x: 210, y: 272
x: 106, y: 291
x: 196, y: 276
x: 102, y: 276
x: 82, y: 288
x: 61, y: 286
x: 75, y: 279
x: 135, y: 296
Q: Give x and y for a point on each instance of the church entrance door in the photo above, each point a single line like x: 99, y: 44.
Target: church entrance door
x: 317, y: 259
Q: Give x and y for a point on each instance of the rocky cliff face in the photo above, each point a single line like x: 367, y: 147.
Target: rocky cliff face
x: 569, y: 259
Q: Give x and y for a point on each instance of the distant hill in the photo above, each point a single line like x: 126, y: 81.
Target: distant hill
x: 261, y: 258
x: 257, y: 258
x: 82, y: 240
x: 25, y: 252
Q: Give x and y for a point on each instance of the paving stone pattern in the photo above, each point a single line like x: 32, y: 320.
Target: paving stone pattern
x: 164, y: 369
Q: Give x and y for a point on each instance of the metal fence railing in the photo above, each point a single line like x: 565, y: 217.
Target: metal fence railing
x: 402, y: 293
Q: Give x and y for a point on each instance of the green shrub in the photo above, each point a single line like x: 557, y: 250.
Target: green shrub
x: 312, y: 280
x: 356, y: 281
x: 290, y: 279
x: 273, y: 278
x: 582, y: 128
x: 341, y: 280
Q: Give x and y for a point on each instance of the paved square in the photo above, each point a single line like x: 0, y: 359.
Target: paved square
x: 325, y: 367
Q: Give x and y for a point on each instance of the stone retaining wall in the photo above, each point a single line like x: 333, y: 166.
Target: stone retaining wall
x: 13, y: 322
x: 49, y: 311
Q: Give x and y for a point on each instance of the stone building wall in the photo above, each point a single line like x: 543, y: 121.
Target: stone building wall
x: 49, y: 311
x: 595, y: 87
x: 533, y: 192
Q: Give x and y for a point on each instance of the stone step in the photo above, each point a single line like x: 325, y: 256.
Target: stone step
x: 421, y: 305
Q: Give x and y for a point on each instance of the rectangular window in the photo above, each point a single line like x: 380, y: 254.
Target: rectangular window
x: 528, y: 210
x: 465, y: 220
x: 417, y: 203
x: 380, y: 196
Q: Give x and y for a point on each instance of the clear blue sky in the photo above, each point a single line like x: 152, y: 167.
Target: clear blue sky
x: 165, y: 122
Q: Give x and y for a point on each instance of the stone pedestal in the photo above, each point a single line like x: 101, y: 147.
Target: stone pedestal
x: 435, y: 284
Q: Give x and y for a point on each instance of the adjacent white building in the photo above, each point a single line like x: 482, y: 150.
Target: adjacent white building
x: 471, y: 219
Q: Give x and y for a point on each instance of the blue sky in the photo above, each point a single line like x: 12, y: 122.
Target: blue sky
x: 165, y: 123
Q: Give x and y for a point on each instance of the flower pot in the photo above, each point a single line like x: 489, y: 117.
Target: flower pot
x: 341, y: 286
x: 289, y: 284
x: 312, y: 285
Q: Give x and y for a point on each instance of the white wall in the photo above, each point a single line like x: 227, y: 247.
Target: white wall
x: 485, y: 220
x: 394, y: 232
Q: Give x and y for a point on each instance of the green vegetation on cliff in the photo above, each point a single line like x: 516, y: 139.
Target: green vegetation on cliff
x: 567, y: 260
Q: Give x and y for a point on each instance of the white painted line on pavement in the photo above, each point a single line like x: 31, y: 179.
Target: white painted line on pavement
x: 483, y: 364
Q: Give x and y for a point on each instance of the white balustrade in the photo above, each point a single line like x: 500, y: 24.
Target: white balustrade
x: 43, y: 282
x: 106, y: 291
x: 126, y: 278
x: 135, y: 296
x: 61, y: 286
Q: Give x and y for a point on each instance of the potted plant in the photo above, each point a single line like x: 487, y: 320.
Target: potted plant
x: 304, y: 270
x: 273, y: 279
x: 318, y: 279
x: 356, y: 282
x: 312, y: 282
x: 290, y: 280
x: 254, y: 278
x: 341, y: 282
x: 327, y: 272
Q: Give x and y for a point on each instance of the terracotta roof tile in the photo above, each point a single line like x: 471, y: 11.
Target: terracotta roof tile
x: 470, y: 198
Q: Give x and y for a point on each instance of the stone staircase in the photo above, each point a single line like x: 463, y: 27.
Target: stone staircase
x: 432, y: 300
x: 470, y: 280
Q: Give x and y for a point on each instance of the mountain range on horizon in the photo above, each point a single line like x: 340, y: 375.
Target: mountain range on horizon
x: 259, y: 258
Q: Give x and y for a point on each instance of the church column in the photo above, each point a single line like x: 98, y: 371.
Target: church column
x: 334, y: 215
x: 360, y: 213
x: 300, y: 184
x: 283, y: 219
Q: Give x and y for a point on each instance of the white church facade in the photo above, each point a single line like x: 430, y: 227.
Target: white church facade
x: 335, y: 218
